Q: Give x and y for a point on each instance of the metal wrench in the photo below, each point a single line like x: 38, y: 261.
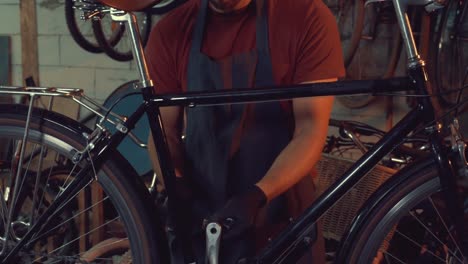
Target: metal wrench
x: 213, y: 240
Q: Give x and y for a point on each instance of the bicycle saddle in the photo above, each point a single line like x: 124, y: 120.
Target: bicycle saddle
x: 130, y: 5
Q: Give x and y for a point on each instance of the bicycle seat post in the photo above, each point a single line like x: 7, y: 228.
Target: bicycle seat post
x: 137, y: 47
x: 405, y: 28
x: 414, y: 60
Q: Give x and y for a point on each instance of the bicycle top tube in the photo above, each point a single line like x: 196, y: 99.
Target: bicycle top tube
x: 278, y: 93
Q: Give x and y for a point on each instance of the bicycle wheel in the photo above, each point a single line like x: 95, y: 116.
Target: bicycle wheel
x: 80, y: 30
x: 405, y: 224
x: 112, y: 213
x: 349, y: 16
x: 165, y: 6
x: 120, y: 50
x: 378, y: 45
x: 375, y: 48
x: 451, y: 60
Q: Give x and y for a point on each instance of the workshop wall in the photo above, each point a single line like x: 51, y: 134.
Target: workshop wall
x: 62, y: 63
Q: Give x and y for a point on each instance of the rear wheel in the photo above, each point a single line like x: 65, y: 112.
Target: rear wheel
x: 410, y: 224
x: 112, y: 212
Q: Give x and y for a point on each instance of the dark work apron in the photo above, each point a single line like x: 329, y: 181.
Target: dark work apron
x: 219, y: 167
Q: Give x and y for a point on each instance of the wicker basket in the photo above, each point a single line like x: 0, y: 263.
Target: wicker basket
x: 338, y: 218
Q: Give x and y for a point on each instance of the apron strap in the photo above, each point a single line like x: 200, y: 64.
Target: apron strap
x: 197, y: 36
x: 264, y: 74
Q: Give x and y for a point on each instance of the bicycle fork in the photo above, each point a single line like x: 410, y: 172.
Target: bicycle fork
x: 448, y: 175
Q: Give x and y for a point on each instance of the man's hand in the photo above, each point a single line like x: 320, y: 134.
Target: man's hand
x: 240, y: 212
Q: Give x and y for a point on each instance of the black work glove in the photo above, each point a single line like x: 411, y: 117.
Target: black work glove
x: 239, y: 213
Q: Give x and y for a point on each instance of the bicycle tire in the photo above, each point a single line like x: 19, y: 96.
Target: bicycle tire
x: 165, y: 6
x: 122, y: 49
x: 353, y: 63
x: 398, y: 205
x: 350, y: 31
x: 60, y: 137
x: 86, y: 40
x: 451, y: 66
x: 378, y: 21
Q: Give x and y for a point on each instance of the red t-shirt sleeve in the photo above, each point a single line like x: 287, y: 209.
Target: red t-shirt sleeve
x: 160, y: 61
x: 319, y: 47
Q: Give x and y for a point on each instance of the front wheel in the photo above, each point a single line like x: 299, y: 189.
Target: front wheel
x: 408, y: 224
x: 111, y: 214
x: 451, y: 58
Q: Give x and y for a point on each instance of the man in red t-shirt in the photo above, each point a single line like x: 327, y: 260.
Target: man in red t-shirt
x: 238, y: 159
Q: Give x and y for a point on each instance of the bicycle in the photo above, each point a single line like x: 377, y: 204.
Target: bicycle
x: 66, y: 145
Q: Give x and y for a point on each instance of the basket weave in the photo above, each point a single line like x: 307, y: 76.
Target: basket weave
x: 337, y: 219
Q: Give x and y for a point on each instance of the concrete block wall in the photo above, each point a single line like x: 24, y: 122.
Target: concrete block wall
x: 63, y: 63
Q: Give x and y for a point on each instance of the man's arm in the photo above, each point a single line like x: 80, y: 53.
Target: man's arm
x: 303, y: 151
x: 319, y: 60
x: 173, y: 123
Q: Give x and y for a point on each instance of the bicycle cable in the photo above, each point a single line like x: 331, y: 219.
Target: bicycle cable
x: 114, y: 104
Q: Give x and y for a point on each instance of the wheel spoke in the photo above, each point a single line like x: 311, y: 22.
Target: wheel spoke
x: 70, y: 219
x: 446, y: 228
x: 62, y: 206
x: 91, y: 231
x: 388, y: 254
x: 427, y: 229
x: 418, y: 244
x: 64, y: 210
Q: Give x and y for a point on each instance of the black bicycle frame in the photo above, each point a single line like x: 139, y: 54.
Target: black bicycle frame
x: 294, y: 240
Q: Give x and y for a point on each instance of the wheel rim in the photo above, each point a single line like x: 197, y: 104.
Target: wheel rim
x: 422, y: 235
x: 44, y: 173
